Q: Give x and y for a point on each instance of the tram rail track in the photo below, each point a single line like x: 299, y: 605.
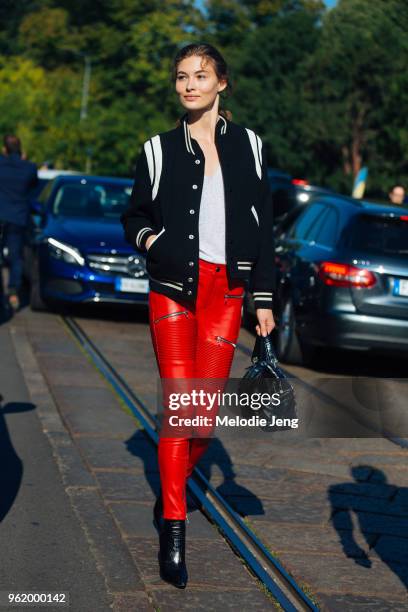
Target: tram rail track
x: 267, y: 569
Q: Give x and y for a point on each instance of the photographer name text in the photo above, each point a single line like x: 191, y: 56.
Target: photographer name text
x: 226, y: 421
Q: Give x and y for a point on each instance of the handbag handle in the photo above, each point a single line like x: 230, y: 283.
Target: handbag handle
x: 264, y: 351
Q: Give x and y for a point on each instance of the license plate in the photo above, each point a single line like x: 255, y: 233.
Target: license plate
x: 400, y: 287
x: 132, y: 285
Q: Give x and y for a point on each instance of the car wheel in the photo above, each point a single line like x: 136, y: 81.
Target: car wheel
x: 288, y: 347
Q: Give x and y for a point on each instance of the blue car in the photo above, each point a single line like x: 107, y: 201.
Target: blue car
x: 76, y: 251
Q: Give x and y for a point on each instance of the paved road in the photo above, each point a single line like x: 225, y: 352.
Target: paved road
x: 334, y: 510
x: 339, y: 528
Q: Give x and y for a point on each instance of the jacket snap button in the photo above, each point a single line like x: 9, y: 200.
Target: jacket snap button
x: 195, y: 187
x: 189, y: 292
x: 191, y: 263
x: 197, y: 161
x: 192, y: 211
x: 190, y: 280
x: 191, y: 236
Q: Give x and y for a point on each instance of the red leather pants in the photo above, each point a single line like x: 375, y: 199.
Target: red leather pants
x: 195, y: 341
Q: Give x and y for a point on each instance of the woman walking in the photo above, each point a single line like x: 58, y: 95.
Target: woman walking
x: 201, y: 209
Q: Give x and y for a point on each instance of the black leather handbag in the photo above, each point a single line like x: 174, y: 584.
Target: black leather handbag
x: 265, y: 376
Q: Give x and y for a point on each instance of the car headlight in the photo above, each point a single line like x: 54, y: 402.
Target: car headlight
x: 66, y: 252
x: 303, y: 197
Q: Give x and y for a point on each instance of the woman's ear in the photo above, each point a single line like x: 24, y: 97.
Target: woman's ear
x: 223, y: 85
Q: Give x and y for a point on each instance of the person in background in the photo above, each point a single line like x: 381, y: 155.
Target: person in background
x: 397, y: 195
x: 17, y: 178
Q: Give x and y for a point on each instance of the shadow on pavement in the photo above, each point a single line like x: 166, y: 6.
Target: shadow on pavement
x: 239, y: 497
x: 11, y: 471
x: 381, y: 511
x: 140, y: 446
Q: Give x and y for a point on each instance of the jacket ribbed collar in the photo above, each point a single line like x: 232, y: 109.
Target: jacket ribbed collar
x: 220, y: 128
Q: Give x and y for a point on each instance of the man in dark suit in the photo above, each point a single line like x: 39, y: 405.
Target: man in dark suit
x: 17, y: 179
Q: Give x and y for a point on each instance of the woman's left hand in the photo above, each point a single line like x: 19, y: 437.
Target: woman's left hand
x: 266, y: 322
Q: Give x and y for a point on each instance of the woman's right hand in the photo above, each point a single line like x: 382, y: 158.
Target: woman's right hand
x: 149, y: 241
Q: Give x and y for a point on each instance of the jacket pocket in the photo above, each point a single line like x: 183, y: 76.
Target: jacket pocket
x: 167, y: 282
x: 156, y: 239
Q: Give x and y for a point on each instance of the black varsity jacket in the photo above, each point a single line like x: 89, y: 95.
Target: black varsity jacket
x: 166, y: 198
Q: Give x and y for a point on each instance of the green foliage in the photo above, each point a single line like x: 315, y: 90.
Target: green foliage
x: 270, y: 85
x: 43, y: 35
x: 327, y: 90
x: 356, y: 83
x: 43, y: 108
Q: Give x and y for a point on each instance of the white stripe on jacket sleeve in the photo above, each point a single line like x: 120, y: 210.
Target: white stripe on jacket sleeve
x: 154, y: 155
x: 253, y: 139
x: 158, y: 159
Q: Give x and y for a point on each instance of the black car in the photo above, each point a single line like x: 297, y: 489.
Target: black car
x: 288, y: 193
x: 342, y: 267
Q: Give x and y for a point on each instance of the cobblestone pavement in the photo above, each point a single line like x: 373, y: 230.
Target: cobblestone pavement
x: 333, y: 510
x: 110, y: 472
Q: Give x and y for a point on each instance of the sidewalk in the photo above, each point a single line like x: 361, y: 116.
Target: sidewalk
x: 43, y: 547
x: 110, y: 473
x: 287, y: 491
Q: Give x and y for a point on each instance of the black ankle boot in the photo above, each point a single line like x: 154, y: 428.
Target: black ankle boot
x: 172, y: 552
x: 158, y: 513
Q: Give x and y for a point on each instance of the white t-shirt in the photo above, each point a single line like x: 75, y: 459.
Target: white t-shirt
x: 211, y: 223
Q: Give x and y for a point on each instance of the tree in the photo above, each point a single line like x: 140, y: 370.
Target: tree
x: 354, y: 79
x: 44, y: 34
x: 326, y: 90
x: 269, y: 87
